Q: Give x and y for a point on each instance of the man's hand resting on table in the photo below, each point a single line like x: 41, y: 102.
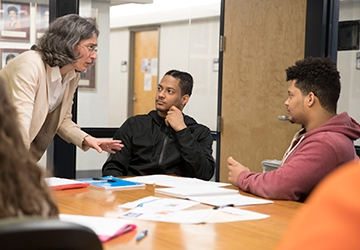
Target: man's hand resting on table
x: 235, y: 168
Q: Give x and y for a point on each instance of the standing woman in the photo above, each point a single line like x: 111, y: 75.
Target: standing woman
x: 42, y: 82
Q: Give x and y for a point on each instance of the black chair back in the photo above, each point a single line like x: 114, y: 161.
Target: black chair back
x: 46, y: 234
x: 357, y: 148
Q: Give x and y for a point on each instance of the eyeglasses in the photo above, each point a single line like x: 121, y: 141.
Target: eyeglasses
x: 90, y: 48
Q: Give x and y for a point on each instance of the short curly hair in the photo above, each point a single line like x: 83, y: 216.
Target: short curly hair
x: 317, y: 75
x: 186, y: 81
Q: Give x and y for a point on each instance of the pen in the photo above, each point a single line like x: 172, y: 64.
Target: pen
x: 142, y: 203
x: 228, y: 205
x: 141, y: 235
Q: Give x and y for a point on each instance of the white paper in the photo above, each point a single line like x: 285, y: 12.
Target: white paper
x: 229, y: 214
x: 196, y: 190
x: 160, y: 204
x: 154, y: 66
x: 55, y: 181
x: 100, y: 225
x: 183, y: 216
x: 146, y: 65
x: 172, y: 210
x: 234, y: 199
x: 173, y: 181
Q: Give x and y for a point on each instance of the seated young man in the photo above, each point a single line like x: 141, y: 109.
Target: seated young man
x: 324, y: 143
x: 164, y: 141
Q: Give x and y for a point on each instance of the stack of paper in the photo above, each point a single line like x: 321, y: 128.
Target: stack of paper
x: 175, y: 181
x: 194, y: 190
x: 207, y: 192
x: 188, y: 191
x: 229, y: 200
x: 212, y: 195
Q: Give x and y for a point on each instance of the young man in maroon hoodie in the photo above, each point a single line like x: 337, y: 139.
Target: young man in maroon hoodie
x: 324, y: 143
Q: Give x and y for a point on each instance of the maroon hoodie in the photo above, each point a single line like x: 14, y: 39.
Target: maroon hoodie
x: 311, y: 156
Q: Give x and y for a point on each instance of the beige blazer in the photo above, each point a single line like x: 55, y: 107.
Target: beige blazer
x: 27, y: 78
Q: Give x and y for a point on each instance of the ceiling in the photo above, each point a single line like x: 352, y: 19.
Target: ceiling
x: 118, y: 2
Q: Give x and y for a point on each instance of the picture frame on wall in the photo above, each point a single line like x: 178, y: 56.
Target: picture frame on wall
x: 15, y: 21
x: 42, y: 19
x: 7, y: 54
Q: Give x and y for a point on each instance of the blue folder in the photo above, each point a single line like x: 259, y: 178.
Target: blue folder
x: 112, y: 183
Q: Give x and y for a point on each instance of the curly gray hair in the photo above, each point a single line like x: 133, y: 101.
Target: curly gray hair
x: 57, y: 45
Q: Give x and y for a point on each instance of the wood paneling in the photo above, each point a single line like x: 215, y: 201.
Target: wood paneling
x: 262, y: 39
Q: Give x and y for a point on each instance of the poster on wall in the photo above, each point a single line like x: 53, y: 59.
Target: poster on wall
x: 7, y: 55
x: 15, y: 21
x: 42, y: 19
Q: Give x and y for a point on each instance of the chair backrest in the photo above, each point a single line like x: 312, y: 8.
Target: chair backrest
x: 46, y: 234
x: 357, y: 149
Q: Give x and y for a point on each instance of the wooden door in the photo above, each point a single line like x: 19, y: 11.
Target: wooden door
x: 145, y: 79
x: 262, y: 38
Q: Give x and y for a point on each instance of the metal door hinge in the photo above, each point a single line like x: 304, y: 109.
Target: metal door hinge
x: 221, y: 43
x: 219, y: 124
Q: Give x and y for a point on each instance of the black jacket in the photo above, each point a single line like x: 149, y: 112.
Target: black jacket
x: 151, y: 147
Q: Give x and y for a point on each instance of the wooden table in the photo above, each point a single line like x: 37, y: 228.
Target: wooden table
x: 255, y: 234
